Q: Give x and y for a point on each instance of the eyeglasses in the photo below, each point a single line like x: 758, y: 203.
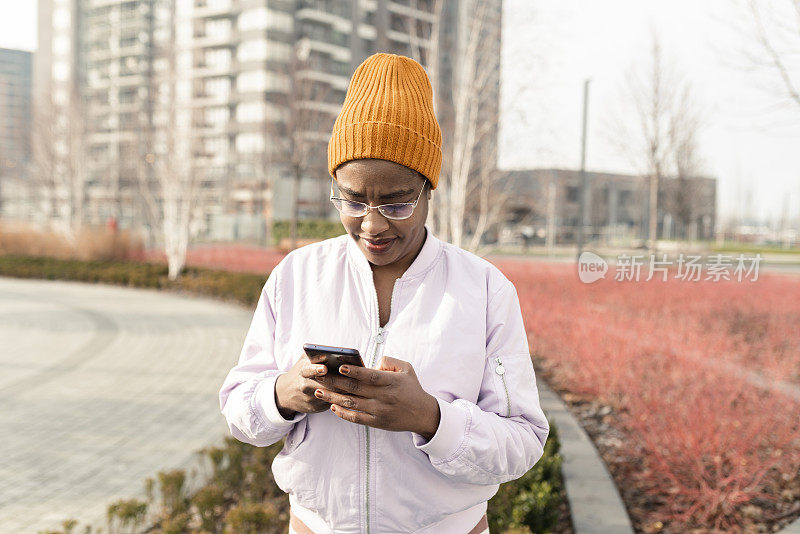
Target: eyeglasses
x: 398, y: 211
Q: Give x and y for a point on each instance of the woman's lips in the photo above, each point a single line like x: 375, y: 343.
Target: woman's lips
x: 378, y: 246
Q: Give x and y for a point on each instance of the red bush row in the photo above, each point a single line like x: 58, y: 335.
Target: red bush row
x: 681, y: 362
x: 229, y: 257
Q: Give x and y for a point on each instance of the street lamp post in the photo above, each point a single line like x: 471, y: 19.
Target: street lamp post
x: 584, y: 186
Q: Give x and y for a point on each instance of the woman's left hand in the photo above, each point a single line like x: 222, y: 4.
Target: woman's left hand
x: 389, y: 397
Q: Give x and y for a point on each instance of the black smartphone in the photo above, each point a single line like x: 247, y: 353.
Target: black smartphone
x: 333, y: 357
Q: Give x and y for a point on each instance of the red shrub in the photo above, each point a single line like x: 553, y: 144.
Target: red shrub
x: 680, y: 361
x: 229, y: 257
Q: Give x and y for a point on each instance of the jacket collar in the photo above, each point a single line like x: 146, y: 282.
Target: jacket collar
x: 424, y: 260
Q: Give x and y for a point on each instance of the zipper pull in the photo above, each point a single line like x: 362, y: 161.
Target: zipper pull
x: 379, y: 336
x: 500, y: 370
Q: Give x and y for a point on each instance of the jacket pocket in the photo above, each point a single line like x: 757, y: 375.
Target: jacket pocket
x: 290, y: 468
x: 296, y: 436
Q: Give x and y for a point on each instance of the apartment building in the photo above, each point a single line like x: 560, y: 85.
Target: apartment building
x: 247, y: 82
x: 15, y: 127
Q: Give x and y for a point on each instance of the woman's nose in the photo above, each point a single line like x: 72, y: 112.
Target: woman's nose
x: 374, y: 223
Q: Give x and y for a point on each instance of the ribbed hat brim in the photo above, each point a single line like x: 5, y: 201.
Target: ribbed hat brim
x: 388, y: 114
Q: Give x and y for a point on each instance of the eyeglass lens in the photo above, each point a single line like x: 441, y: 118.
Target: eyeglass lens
x: 357, y: 209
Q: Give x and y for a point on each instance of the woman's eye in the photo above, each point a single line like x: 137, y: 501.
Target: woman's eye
x: 396, y: 209
x: 353, y: 205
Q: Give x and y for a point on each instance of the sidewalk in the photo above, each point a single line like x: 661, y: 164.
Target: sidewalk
x: 100, y: 388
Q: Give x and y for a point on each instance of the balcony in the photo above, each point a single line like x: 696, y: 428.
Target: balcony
x: 213, y: 41
x: 203, y: 70
x: 339, y: 22
x: 209, y: 99
x: 206, y: 9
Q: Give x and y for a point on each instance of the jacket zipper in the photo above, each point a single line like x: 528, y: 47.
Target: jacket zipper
x: 379, y: 339
x: 500, y: 370
x: 378, y: 343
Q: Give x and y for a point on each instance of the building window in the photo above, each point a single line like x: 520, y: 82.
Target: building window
x: 61, y: 19
x: 253, y: 19
x: 216, y: 116
x: 254, y: 80
x: 60, y: 71
x: 216, y: 4
x: 61, y: 45
x: 252, y: 50
x: 128, y: 39
x: 250, y: 112
x: 218, y: 58
x: 279, y: 51
x: 216, y: 145
x: 249, y: 143
x: 398, y: 23
x: 572, y: 193
x: 218, y: 87
x: 218, y: 28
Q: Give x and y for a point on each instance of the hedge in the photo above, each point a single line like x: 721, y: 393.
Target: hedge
x: 242, y: 288
x: 307, y: 229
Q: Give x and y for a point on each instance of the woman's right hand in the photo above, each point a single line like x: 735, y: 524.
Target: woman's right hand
x: 294, y: 390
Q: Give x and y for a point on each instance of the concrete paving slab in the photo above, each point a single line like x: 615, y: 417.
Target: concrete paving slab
x: 99, y: 384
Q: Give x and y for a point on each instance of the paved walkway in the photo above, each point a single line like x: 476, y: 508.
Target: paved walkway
x: 101, y: 387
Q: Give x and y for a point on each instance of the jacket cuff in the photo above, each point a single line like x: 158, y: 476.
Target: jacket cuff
x: 265, y: 405
x: 449, y: 437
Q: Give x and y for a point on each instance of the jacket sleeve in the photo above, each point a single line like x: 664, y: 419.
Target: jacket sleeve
x: 502, y: 436
x: 247, y: 396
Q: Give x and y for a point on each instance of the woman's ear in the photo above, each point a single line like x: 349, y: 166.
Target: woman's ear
x: 429, y: 186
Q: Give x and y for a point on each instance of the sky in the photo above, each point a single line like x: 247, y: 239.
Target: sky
x: 750, y: 137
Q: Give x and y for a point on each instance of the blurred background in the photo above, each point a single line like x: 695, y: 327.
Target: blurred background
x: 616, y: 125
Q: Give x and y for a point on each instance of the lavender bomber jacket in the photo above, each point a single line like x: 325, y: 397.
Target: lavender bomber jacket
x: 456, y: 318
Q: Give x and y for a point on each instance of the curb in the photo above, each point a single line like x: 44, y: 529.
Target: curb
x: 595, y: 503
x: 791, y: 528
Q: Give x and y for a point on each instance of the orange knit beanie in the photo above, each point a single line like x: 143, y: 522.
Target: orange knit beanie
x: 388, y: 114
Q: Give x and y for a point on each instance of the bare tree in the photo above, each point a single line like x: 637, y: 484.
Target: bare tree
x: 169, y: 189
x: 664, y: 140
x: 297, y: 137
x: 488, y: 198
x: 58, y: 146
x: 468, y: 202
x: 779, y: 38
x: 685, y: 124
x: 437, y: 40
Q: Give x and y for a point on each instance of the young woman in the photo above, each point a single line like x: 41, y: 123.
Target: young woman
x: 446, y: 407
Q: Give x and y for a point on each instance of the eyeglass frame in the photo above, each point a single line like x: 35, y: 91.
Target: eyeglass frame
x: 368, y: 207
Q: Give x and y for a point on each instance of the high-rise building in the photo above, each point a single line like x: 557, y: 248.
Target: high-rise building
x: 15, y: 131
x: 252, y: 87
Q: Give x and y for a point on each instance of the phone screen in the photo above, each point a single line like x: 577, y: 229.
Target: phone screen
x: 333, y: 357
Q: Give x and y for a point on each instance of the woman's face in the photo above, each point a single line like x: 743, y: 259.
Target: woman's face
x: 375, y: 182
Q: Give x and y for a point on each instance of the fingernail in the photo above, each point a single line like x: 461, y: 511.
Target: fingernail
x: 321, y: 369
x: 318, y: 393
x: 344, y: 369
